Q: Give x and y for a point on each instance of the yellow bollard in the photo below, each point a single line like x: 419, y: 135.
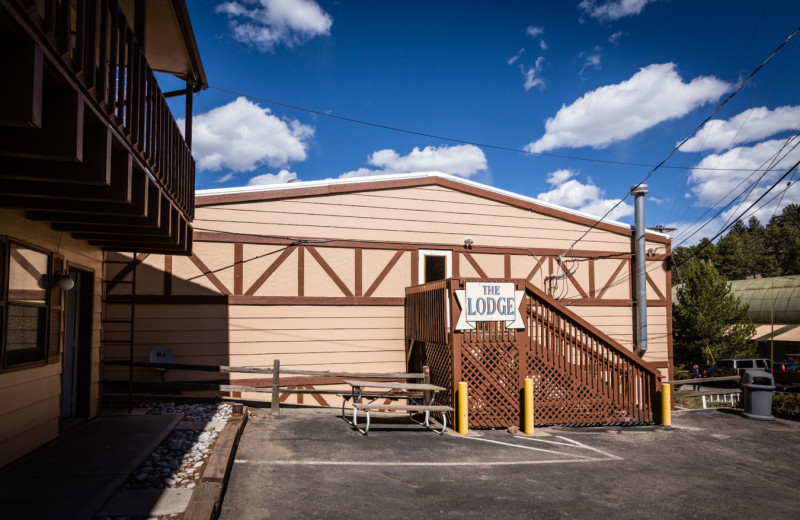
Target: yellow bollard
x: 666, y: 417
x: 463, y: 413
x: 529, y: 406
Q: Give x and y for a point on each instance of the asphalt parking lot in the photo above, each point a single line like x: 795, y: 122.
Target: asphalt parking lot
x: 710, y: 464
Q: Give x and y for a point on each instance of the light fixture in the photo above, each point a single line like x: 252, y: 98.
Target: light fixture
x: 63, y: 281
x: 468, y: 242
x: 651, y: 252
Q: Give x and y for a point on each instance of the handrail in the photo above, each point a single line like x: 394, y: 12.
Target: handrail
x: 618, y: 348
x: 105, y: 57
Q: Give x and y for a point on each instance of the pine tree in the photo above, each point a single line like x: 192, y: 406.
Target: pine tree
x: 707, y: 315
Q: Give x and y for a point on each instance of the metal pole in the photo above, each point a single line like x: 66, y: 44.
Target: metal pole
x: 463, y: 412
x: 528, y: 406
x: 638, y: 193
x: 132, y: 335
x: 666, y: 408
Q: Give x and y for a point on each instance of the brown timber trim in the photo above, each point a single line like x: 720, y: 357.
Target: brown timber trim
x: 331, y: 189
x: 221, y: 299
x: 23, y: 262
x: 359, y: 268
x: 384, y: 273
x: 238, y: 268
x: 301, y: 271
x: 456, y: 264
x: 315, y: 300
x: 668, y: 290
x: 474, y: 264
x: 125, y: 271
x: 571, y: 278
x: 208, y: 274
x: 328, y: 269
x: 613, y: 277
x: 592, y: 290
x: 271, y: 269
x: 652, y: 284
x: 414, y: 267
x: 535, y: 268
x: 506, y: 265
x: 597, y: 302
x: 206, y: 236
x: 173, y: 299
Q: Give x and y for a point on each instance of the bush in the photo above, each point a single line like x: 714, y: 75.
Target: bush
x: 786, y: 404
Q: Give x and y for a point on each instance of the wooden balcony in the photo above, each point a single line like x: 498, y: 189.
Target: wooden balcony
x: 87, y: 140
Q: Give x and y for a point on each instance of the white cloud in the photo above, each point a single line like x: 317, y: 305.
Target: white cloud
x: 282, y: 177
x: 747, y: 127
x: 559, y: 176
x: 656, y: 200
x: 463, y: 160
x: 225, y: 178
x: 611, y: 10
x: 614, y: 38
x: 615, y: 112
x: 592, y: 60
x: 587, y: 198
x: 531, y: 74
x: 515, y: 57
x: 241, y: 136
x: 709, y: 186
x: 534, y: 31
x: 263, y: 24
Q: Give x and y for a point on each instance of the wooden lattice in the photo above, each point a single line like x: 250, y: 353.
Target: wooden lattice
x: 581, y: 376
x: 491, y: 372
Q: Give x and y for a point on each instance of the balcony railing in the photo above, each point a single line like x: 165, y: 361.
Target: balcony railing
x: 93, y: 39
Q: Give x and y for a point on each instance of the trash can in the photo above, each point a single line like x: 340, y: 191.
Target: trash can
x: 758, y: 387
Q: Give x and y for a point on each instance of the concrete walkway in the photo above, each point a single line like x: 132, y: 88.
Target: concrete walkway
x: 75, y: 475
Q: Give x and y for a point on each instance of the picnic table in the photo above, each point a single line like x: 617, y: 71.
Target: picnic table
x: 420, y: 396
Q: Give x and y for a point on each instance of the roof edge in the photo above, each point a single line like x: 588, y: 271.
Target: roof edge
x: 405, y: 180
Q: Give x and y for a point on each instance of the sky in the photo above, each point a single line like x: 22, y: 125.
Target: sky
x: 571, y: 102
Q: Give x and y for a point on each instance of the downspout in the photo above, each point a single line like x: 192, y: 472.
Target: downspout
x: 638, y: 192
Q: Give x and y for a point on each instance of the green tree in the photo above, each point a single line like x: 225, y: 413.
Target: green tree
x: 743, y: 252
x: 783, y: 239
x: 707, y: 315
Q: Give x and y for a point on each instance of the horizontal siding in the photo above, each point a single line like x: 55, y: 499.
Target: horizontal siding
x: 30, y: 398
x: 419, y: 215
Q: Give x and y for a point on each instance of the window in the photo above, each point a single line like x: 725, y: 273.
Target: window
x: 30, y: 305
x: 435, y: 265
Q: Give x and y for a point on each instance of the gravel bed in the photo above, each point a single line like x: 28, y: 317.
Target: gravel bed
x: 179, y: 461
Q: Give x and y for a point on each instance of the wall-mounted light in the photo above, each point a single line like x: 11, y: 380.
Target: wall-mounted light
x: 468, y: 242
x: 651, y: 252
x: 63, y: 281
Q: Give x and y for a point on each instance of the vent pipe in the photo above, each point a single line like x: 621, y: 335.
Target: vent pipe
x: 638, y: 192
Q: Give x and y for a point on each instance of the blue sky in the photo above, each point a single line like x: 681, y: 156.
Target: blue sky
x: 594, y: 82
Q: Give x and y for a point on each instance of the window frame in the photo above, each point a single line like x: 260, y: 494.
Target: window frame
x: 53, y: 306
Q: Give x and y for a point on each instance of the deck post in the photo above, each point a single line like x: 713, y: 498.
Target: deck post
x: 276, y: 393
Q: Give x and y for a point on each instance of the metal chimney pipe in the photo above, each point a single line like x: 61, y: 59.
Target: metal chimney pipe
x: 638, y: 192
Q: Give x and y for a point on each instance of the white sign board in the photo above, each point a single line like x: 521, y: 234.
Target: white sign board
x: 489, y: 301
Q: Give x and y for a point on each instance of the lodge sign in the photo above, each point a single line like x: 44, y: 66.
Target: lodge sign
x: 489, y: 301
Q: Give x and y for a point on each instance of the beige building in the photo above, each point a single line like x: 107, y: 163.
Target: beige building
x: 314, y: 273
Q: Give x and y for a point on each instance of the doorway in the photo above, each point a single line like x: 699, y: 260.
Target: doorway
x: 435, y: 265
x: 76, y: 378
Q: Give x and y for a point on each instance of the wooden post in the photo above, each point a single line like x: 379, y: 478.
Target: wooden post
x: 276, y: 393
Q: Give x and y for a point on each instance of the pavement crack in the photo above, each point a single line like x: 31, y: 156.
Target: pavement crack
x: 398, y: 480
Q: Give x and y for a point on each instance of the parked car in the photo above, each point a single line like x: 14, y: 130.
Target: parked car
x: 737, y: 367
x: 787, y: 374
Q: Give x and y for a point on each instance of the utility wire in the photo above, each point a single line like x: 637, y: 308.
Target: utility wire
x: 461, y: 141
x: 697, y: 129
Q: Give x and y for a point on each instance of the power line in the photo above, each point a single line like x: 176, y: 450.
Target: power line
x: 460, y: 141
x: 697, y: 129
